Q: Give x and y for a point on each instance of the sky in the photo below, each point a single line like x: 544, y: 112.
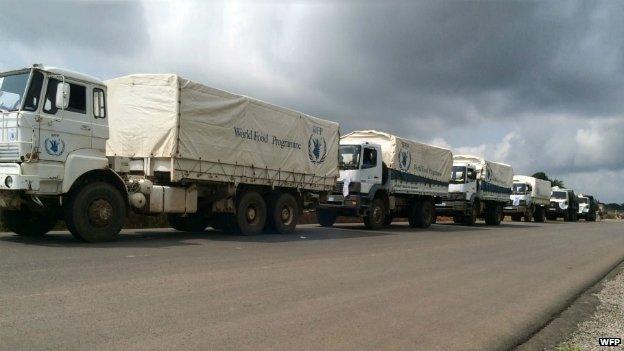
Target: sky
x: 538, y: 85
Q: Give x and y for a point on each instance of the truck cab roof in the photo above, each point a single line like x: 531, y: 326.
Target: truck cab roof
x: 69, y: 73
x: 363, y: 143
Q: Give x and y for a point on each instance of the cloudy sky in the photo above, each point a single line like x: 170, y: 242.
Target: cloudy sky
x: 539, y: 85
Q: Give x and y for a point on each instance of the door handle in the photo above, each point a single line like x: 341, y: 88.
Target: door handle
x: 85, y: 127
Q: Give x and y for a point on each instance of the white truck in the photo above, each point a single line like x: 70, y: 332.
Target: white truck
x: 563, y: 203
x: 529, y: 199
x: 478, y: 189
x: 588, y: 208
x: 383, y: 176
x: 75, y: 148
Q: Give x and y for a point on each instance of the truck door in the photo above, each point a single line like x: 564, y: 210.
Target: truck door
x: 371, y: 168
x: 63, y: 131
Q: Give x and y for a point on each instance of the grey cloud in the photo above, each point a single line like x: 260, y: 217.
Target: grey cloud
x: 111, y: 28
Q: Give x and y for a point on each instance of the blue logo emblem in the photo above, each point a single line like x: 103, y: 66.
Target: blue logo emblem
x: 405, y: 159
x: 54, y: 145
x: 317, y: 148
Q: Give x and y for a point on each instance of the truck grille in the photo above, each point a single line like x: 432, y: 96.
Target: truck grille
x: 338, y: 187
x: 9, y: 152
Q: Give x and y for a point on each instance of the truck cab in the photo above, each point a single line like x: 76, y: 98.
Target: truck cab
x: 588, y: 207
x: 563, y: 204
x: 361, y: 173
x: 463, y: 184
x: 53, y: 134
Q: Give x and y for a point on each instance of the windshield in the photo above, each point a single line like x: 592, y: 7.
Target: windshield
x: 519, y: 188
x: 349, y: 157
x: 583, y: 200
x: 459, y: 175
x: 559, y: 195
x: 12, y: 88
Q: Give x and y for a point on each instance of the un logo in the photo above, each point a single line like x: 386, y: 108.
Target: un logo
x: 54, y: 146
x: 405, y: 159
x: 317, y: 148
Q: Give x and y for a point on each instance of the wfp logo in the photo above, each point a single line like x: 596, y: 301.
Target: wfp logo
x: 54, y: 145
x: 405, y: 159
x: 317, y: 146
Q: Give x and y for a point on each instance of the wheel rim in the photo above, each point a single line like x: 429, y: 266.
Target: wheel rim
x: 100, y: 213
x: 286, y: 215
x: 251, y: 214
x: 377, y: 214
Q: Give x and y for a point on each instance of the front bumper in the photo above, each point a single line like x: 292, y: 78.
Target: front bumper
x: 451, y: 207
x: 18, y: 181
x: 352, y: 205
x: 514, y: 209
x: 557, y: 210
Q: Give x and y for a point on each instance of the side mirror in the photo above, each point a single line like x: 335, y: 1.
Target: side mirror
x: 62, y: 95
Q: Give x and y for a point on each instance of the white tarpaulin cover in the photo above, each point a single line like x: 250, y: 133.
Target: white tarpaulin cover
x: 541, y: 189
x: 498, y: 174
x: 422, y: 160
x: 164, y: 115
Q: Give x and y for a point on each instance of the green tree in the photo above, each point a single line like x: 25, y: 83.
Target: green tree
x: 553, y: 182
x: 540, y: 175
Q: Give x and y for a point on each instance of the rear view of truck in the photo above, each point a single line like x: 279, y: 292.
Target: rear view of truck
x: 478, y: 189
x: 383, y: 176
x: 207, y: 157
x: 529, y: 199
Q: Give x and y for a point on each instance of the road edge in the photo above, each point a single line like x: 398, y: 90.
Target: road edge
x: 565, y: 322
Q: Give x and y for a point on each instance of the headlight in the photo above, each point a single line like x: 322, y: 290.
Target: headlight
x: 8, y: 181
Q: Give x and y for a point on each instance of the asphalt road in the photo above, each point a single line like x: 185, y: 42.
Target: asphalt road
x: 449, y: 287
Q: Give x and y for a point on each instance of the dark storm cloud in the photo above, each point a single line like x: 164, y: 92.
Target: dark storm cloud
x: 443, y: 59
x: 108, y: 27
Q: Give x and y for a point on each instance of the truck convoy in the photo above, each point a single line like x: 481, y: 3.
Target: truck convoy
x: 78, y: 149
x: 588, y: 208
x: 75, y: 148
x: 563, y: 203
x: 529, y: 199
x: 383, y: 176
x: 478, y: 189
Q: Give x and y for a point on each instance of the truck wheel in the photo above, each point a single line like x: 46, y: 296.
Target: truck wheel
x: 251, y: 213
x: 516, y: 218
x: 28, y: 223
x: 421, y: 214
x: 528, y: 217
x: 193, y: 222
x: 284, y: 213
x: 96, y: 212
x: 376, y: 215
x: 493, y: 214
x: 458, y: 219
x: 471, y: 219
x: 539, y: 215
x: 325, y: 218
x: 388, y: 220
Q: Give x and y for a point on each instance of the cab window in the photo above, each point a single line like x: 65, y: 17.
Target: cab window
x: 77, y: 98
x: 99, y: 103
x: 370, y: 158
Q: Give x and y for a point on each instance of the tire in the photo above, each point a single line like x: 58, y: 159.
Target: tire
x: 539, y: 215
x: 325, y: 218
x: 96, y: 212
x: 251, y: 213
x: 388, y: 220
x: 283, y: 213
x: 493, y: 214
x: 458, y: 219
x: 421, y: 214
x: 528, y: 217
x: 471, y: 219
x: 516, y: 218
x: 377, y: 215
x: 192, y: 222
x: 28, y: 223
